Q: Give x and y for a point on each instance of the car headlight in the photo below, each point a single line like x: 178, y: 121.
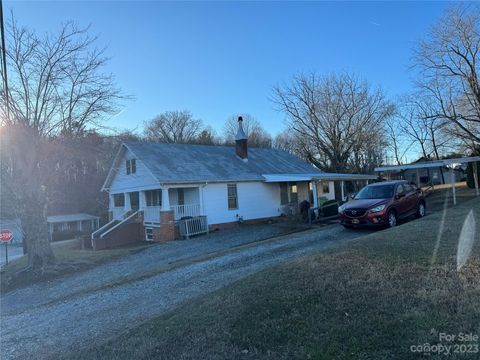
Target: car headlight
x: 341, y: 208
x: 377, y: 208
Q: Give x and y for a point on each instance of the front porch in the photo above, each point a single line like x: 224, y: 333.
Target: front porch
x: 181, y: 201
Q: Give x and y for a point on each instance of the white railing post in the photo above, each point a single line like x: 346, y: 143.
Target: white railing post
x: 165, y: 199
x: 127, y: 205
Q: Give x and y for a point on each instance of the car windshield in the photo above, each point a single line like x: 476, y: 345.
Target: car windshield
x: 375, y: 192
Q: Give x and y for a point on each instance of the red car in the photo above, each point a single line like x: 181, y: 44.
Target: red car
x: 383, y: 204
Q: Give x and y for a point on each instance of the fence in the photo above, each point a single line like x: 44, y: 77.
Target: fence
x: 193, y: 226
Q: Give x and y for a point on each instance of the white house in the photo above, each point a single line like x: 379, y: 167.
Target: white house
x: 167, y: 182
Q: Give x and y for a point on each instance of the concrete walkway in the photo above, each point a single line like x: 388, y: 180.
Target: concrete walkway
x: 44, y: 321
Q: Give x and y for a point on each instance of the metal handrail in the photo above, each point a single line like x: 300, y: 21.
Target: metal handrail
x: 120, y: 223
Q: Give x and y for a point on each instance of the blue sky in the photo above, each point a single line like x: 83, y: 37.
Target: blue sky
x: 218, y: 59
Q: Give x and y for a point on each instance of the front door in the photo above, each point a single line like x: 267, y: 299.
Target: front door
x: 134, y: 201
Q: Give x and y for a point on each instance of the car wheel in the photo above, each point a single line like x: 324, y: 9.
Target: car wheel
x: 391, y: 219
x: 420, y: 209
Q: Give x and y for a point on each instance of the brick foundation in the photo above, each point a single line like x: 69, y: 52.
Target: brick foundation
x: 130, y: 232
x: 166, y: 231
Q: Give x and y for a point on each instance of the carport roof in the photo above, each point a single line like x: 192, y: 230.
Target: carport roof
x: 322, y: 176
x: 429, y: 164
x: 70, y: 217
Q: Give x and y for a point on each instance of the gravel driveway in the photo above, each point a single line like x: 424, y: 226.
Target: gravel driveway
x: 46, y: 320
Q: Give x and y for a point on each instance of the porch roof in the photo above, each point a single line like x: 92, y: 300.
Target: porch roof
x: 71, y: 217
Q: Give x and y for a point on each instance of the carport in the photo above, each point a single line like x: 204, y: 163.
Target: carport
x: 437, y: 164
x: 315, y: 178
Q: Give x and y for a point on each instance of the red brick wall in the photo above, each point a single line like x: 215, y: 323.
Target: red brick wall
x: 130, y: 232
x: 166, y: 231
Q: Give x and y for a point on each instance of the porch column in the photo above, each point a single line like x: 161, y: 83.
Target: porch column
x: 127, y: 206
x: 200, y: 199
x: 111, y: 202
x: 475, y: 177
x: 80, y: 225
x: 418, y: 178
x: 142, y: 200
x: 342, y: 190
x: 165, y: 200
x: 315, y: 196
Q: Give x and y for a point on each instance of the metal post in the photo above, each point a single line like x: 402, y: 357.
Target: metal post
x: 6, y: 252
x: 452, y: 178
x: 475, y: 177
x: 315, y: 195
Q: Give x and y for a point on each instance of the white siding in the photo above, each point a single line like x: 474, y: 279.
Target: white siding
x: 141, y: 180
x: 331, y: 191
x: 255, y: 200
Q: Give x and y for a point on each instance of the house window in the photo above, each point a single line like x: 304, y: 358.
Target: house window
x: 181, y: 196
x: 131, y: 166
x: 153, y: 197
x: 325, y: 187
x: 149, y: 234
x: 232, y: 196
x: 283, y: 193
x: 293, y: 193
x: 118, y: 200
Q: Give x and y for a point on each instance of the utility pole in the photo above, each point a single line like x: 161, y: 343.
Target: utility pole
x: 4, y: 60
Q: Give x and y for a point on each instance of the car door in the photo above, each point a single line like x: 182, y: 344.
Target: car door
x: 400, y: 200
x: 411, y: 197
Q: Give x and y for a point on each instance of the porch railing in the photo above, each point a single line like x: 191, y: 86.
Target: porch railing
x: 151, y: 215
x: 181, y: 211
x: 194, y: 226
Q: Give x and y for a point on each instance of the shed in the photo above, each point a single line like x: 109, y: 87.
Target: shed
x: 71, y: 224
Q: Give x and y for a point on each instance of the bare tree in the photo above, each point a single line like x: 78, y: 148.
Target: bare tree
x: 56, y: 86
x: 396, y: 140
x: 338, y: 117
x: 257, y: 135
x: 448, y: 61
x: 207, y: 136
x: 422, y: 128
x: 173, y: 127
x: 56, y: 83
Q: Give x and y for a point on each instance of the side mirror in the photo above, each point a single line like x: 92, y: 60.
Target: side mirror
x: 399, y: 196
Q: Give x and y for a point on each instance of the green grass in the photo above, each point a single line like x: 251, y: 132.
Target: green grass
x: 69, y: 259
x: 372, y: 299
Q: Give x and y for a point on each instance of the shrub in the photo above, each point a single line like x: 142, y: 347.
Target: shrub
x: 328, y: 209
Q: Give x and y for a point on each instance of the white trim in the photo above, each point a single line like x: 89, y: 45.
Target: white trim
x: 117, y: 225
x: 429, y: 164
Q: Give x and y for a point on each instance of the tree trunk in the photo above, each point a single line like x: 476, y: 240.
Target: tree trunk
x: 35, y: 227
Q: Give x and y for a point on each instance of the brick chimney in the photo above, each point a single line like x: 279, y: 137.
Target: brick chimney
x: 241, y: 141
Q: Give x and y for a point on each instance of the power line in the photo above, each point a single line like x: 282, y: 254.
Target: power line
x: 4, y: 58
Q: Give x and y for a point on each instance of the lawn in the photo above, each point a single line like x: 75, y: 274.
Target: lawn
x: 373, y: 299
x: 69, y: 259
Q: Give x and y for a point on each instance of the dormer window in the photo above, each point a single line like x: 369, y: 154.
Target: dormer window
x: 131, y: 166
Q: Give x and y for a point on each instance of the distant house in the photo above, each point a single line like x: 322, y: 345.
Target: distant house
x: 433, y: 175
x: 163, y: 183
x: 69, y: 225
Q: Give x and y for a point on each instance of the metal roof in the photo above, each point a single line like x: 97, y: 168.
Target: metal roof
x: 183, y: 163
x: 70, y: 217
x: 429, y: 164
x: 321, y: 176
